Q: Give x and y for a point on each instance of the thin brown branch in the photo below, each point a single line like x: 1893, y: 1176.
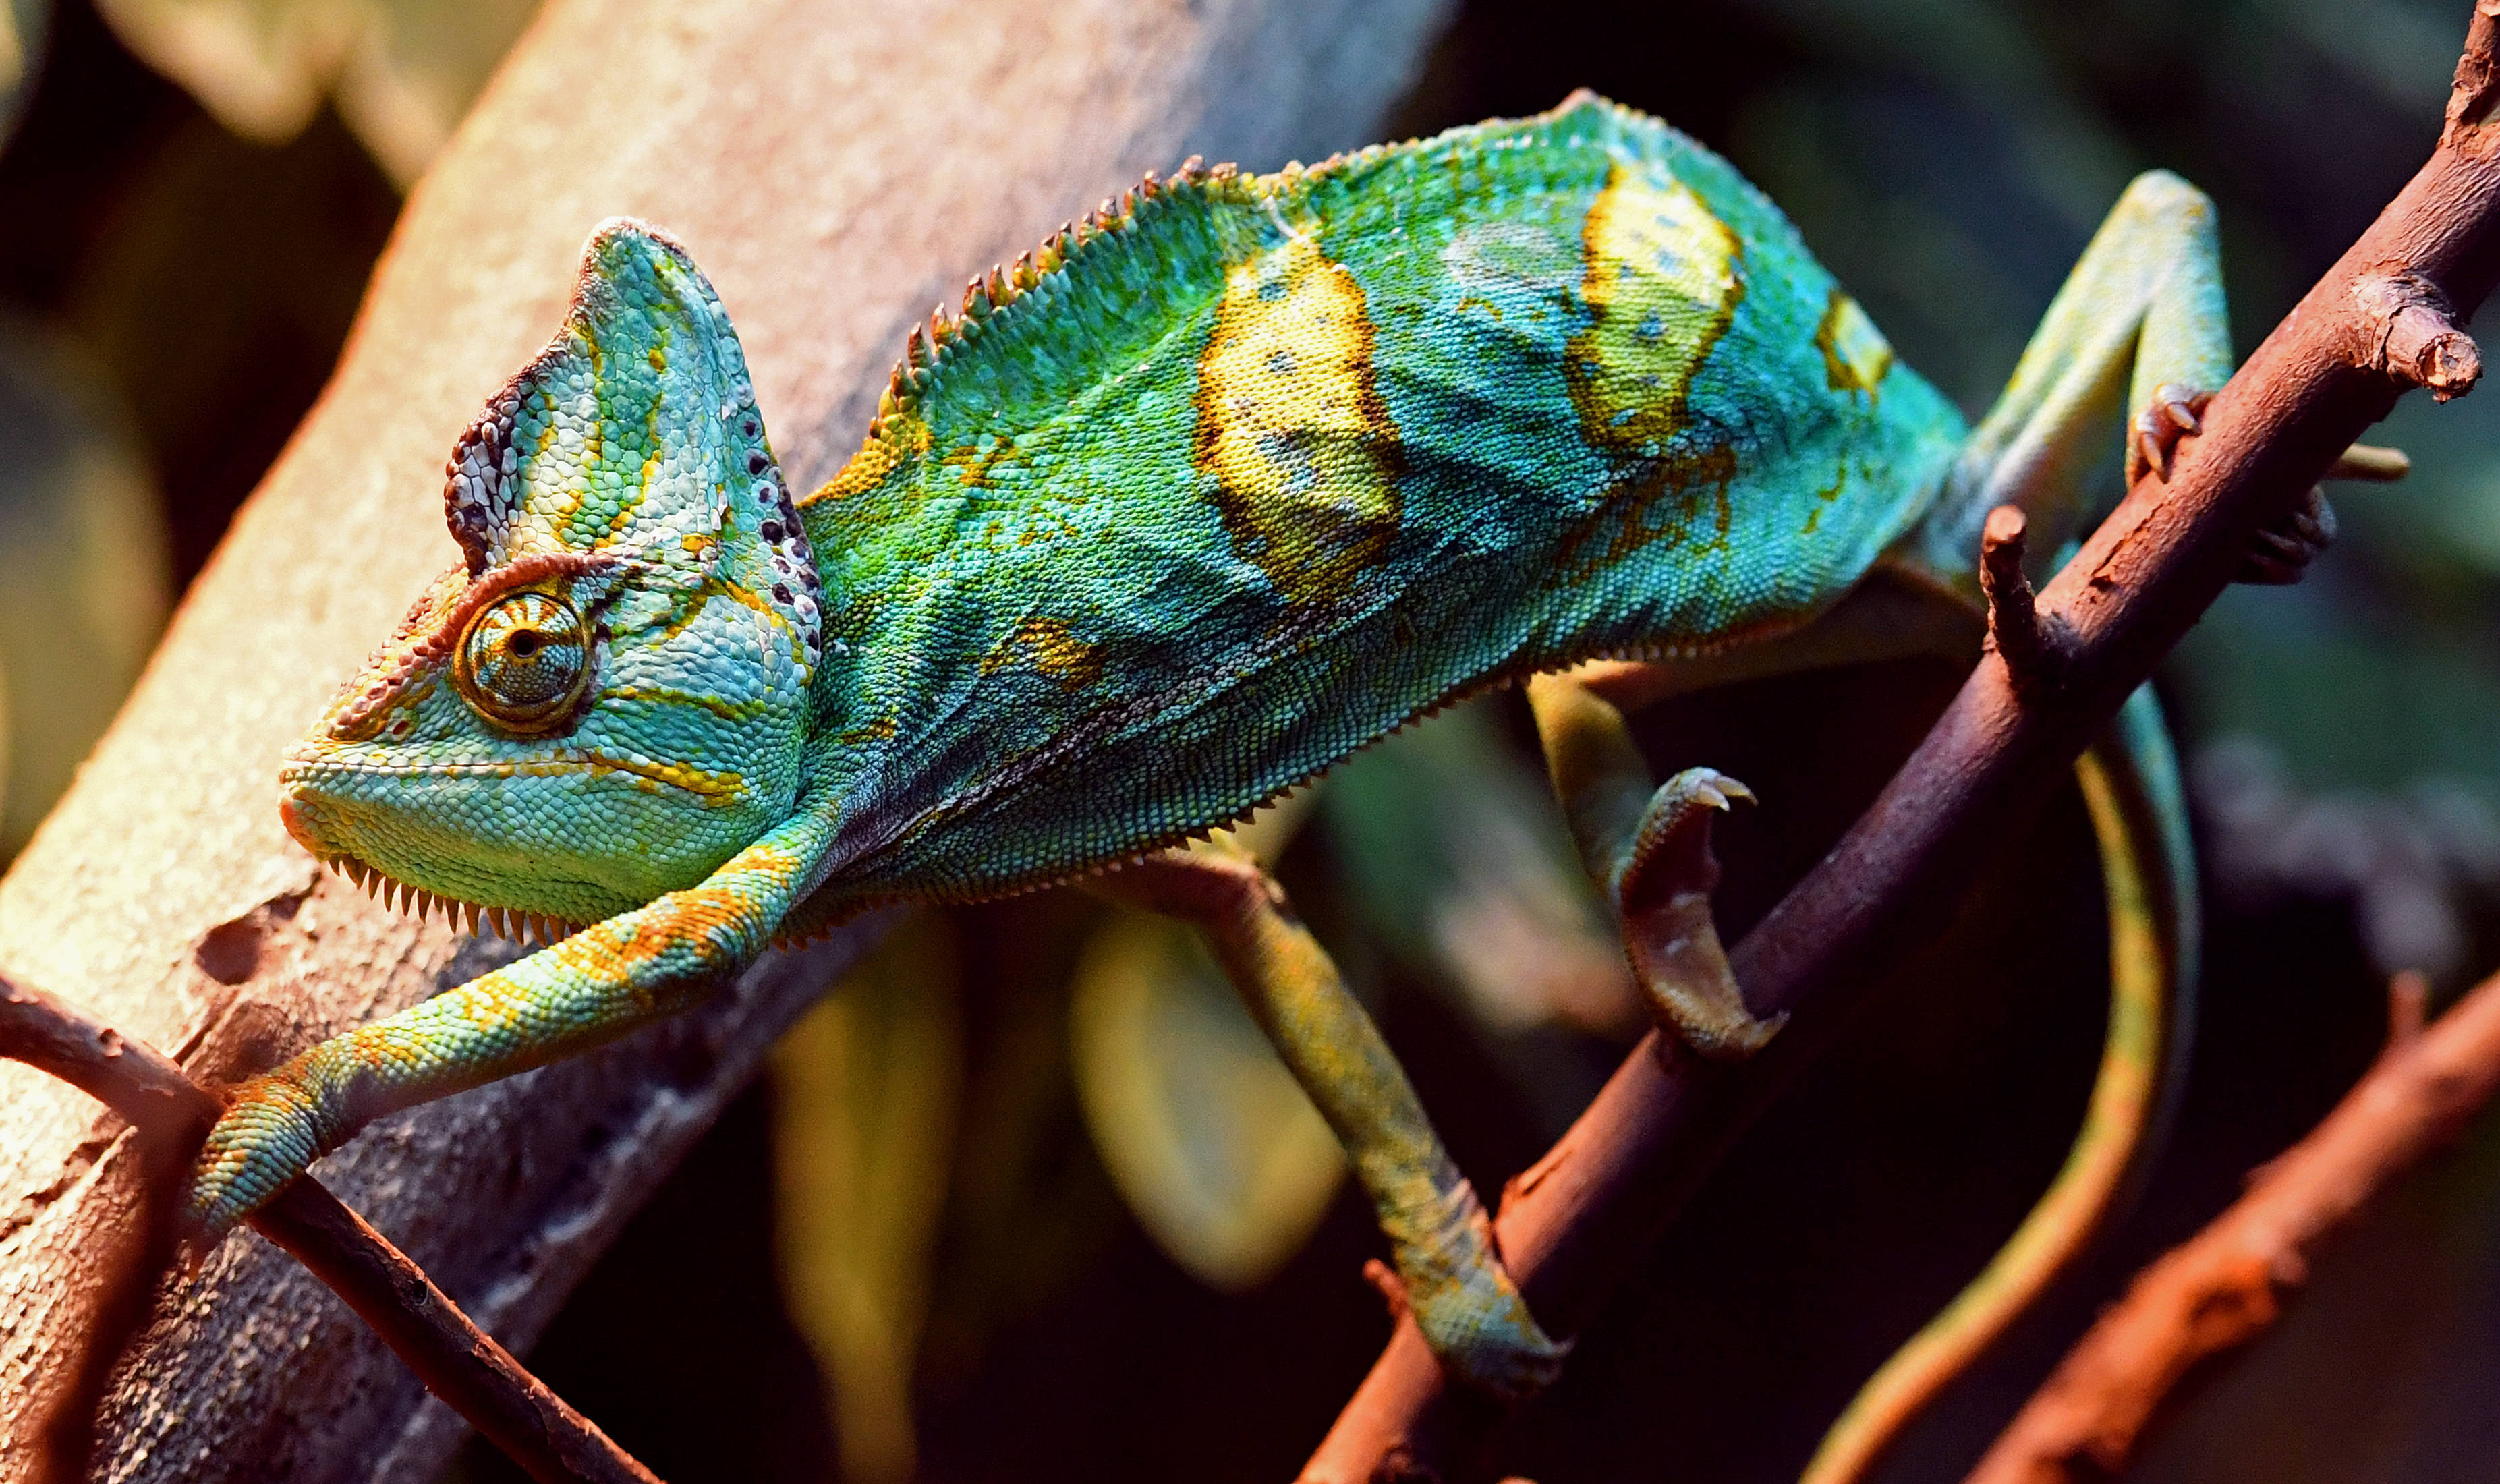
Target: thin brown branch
x: 1575, y: 1223
x: 457, y: 1361
x: 2225, y: 1286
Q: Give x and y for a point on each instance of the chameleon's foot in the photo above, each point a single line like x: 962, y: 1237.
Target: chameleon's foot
x: 2174, y: 413
x: 268, y: 1136
x: 1470, y: 1310
x: 1448, y: 1266
x: 2280, y: 552
x: 1663, y: 892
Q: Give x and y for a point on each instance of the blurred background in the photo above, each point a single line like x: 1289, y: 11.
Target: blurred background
x: 1028, y: 1197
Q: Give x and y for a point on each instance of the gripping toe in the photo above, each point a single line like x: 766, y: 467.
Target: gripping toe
x: 2174, y: 413
x: 2280, y: 554
x: 1470, y: 1312
x: 1663, y: 891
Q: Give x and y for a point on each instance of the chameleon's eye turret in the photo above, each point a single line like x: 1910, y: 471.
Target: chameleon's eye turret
x: 524, y: 661
x: 608, y: 697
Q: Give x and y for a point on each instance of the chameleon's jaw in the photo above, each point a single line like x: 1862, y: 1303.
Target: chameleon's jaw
x: 400, y: 897
x: 300, y: 813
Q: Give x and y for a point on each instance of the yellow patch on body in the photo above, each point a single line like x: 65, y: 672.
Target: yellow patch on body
x: 1824, y: 497
x: 883, y: 729
x: 1662, y: 282
x: 904, y: 436
x: 1049, y: 648
x: 1855, y: 355
x: 1290, y: 427
x: 972, y: 463
x: 1661, y: 277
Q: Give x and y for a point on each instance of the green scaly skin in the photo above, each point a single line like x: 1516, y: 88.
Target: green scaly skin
x: 1183, y: 509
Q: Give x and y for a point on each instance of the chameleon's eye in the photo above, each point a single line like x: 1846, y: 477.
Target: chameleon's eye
x: 524, y: 660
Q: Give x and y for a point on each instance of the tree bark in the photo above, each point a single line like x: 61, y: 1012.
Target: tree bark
x: 836, y: 170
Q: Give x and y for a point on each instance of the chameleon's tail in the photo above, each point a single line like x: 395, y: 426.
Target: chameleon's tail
x: 2130, y: 782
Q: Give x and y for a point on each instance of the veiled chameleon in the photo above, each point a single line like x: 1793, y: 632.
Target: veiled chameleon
x: 1236, y: 476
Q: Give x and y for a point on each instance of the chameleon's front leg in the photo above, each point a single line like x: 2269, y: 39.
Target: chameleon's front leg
x: 1648, y: 846
x: 602, y: 982
x: 1441, y: 1238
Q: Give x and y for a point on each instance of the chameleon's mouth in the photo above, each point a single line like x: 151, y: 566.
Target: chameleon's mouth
x: 528, y: 929
x: 511, y: 924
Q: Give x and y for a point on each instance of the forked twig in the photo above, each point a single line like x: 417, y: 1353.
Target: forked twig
x: 457, y: 1361
x: 2388, y: 317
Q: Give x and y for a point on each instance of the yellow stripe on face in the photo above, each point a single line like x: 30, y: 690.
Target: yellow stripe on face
x: 1660, y: 279
x: 1291, y: 428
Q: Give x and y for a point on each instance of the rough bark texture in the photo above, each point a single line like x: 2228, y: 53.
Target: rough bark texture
x: 837, y: 169
x: 170, y: 1113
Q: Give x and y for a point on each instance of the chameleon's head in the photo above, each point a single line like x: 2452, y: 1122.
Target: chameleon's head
x: 608, y: 697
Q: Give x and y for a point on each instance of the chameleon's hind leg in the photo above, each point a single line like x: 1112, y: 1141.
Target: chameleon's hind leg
x: 1439, y: 1235
x: 1648, y: 846
x: 2140, y: 325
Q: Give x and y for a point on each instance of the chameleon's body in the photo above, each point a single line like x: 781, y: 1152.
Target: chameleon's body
x: 1221, y: 486
x: 1282, y: 462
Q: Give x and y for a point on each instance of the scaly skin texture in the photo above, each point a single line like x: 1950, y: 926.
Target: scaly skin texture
x: 1213, y: 490
x: 1278, y: 463
x: 1440, y: 1237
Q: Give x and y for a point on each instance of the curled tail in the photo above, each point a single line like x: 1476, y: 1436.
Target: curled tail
x: 2130, y: 782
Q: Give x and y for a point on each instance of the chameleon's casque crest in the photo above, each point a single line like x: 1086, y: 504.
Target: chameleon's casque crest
x: 625, y: 654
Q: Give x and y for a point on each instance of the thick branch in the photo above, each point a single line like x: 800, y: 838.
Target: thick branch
x: 1583, y: 1215
x: 2227, y: 1284
x: 456, y: 1360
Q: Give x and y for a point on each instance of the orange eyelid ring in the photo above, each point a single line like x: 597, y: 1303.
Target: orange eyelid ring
x: 358, y: 716
x: 523, y: 660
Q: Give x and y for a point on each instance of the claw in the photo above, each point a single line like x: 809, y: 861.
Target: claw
x: 2175, y: 413
x: 1662, y: 890
x: 2280, y: 554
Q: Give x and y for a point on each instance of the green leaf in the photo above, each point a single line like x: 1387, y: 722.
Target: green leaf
x: 1214, y: 1147
x: 866, y: 1094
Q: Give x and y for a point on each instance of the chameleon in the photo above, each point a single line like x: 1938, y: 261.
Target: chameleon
x: 1222, y: 482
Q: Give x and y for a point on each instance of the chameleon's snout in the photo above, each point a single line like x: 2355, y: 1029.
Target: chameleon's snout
x: 291, y: 814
